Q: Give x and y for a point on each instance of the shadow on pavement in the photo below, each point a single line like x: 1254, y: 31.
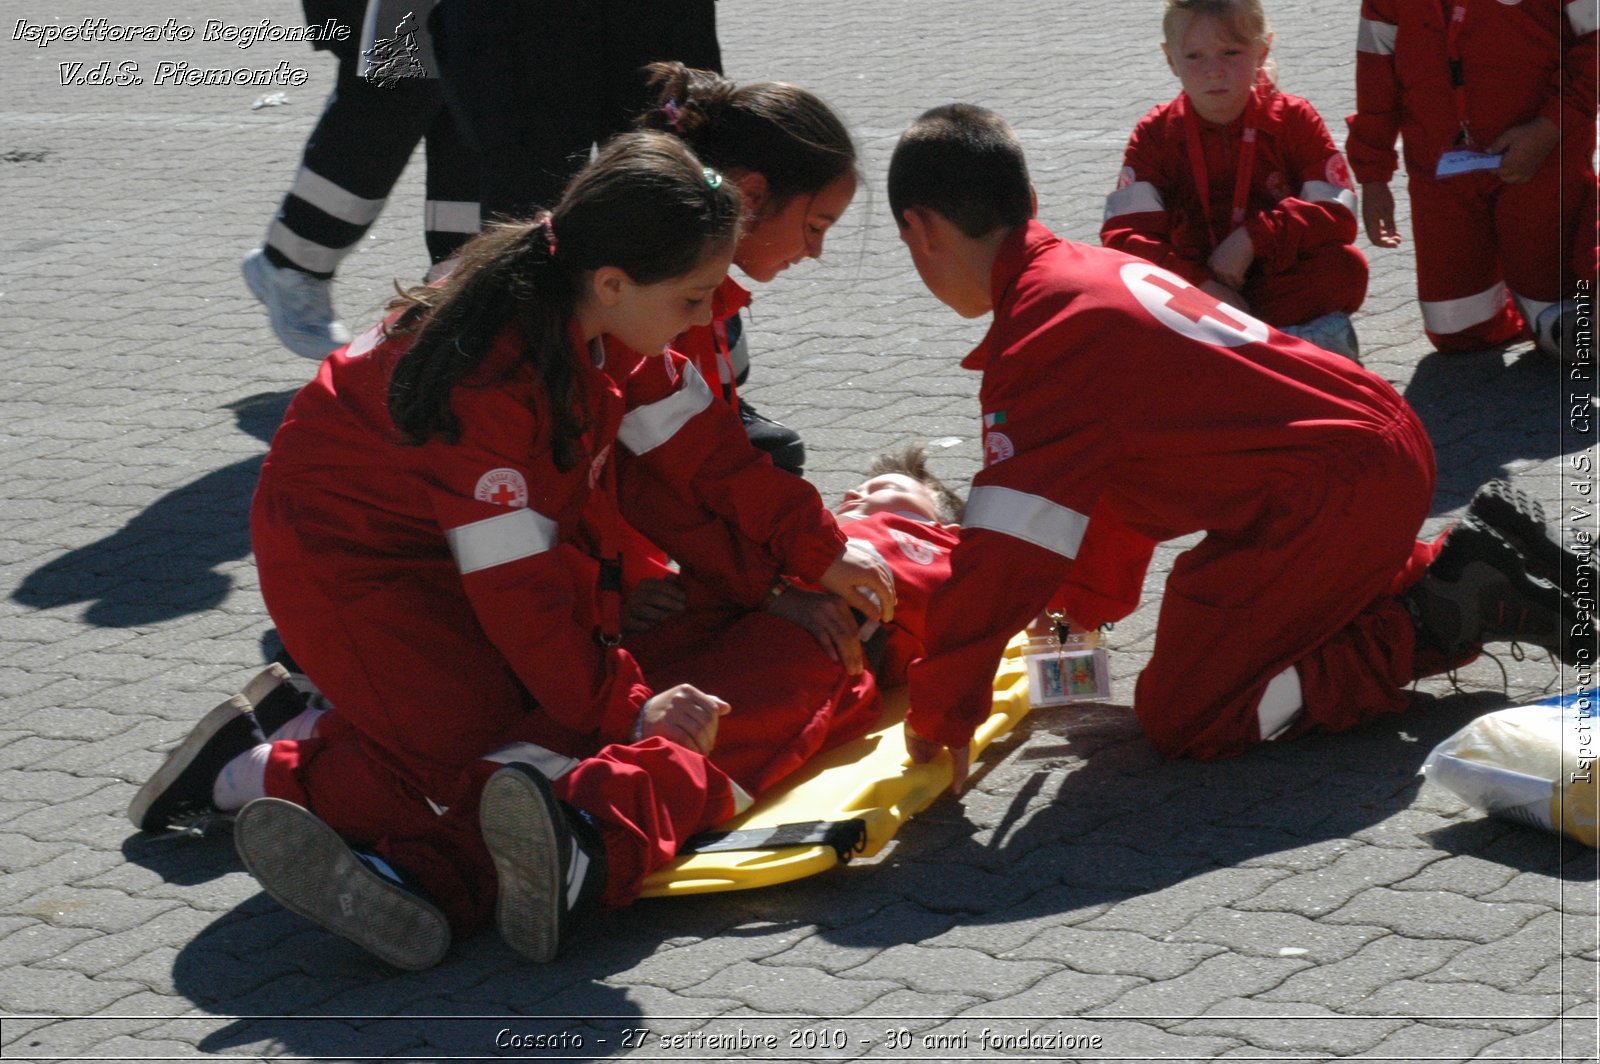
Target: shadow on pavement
x: 1483, y: 412
x: 162, y: 563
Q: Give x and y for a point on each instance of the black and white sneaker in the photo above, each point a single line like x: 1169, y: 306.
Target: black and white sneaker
x: 1521, y: 522
x: 550, y: 863
x: 1478, y: 590
x: 181, y: 788
x: 277, y: 699
x: 311, y: 871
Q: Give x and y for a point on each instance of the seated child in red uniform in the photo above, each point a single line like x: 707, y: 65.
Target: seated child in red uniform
x: 434, y: 530
x: 1495, y: 104
x: 1124, y: 406
x: 1237, y: 187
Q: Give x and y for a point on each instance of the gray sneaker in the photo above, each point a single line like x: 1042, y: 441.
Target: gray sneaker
x: 311, y: 871
x: 299, y: 305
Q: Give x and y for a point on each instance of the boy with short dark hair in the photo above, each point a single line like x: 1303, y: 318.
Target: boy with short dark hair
x: 1122, y: 407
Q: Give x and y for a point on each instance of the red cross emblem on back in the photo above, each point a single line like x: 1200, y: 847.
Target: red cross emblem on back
x: 1189, y: 311
x: 1194, y: 304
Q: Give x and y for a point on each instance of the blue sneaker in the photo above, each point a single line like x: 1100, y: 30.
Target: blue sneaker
x: 1331, y: 332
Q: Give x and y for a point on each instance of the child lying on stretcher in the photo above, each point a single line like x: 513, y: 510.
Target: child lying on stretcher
x: 900, y: 514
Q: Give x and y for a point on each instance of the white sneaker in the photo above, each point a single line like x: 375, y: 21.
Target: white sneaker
x: 1554, y: 329
x: 299, y: 305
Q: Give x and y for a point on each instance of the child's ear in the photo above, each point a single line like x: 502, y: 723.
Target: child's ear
x: 753, y: 191
x: 918, y: 231
x: 1033, y: 201
x: 1266, y: 48
x: 1167, y: 52
x: 605, y: 285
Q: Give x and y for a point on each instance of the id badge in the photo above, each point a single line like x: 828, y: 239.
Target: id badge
x: 1062, y: 673
x: 1452, y: 163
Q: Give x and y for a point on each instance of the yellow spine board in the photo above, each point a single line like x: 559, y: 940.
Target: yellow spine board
x: 870, y: 779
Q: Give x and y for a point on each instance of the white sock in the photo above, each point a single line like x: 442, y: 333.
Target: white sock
x: 242, y: 780
x: 303, y: 726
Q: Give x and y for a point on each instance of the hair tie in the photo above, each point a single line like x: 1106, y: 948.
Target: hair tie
x: 713, y: 179
x: 674, y: 115
x: 544, y: 224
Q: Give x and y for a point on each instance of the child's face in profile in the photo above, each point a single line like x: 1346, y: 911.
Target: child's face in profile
x: 889, y: 493
x: 1217, y: 68
x: 776, y: 241
x: 647, y: 317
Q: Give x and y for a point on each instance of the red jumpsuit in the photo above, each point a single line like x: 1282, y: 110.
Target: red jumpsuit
x: 1476, y: 237
x: 1299, y: 206
x: 444, y: 598
x: 1123, y: 407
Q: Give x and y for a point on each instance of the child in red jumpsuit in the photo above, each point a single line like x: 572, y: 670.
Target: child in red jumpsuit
x: 1124, y: 406
x: 1495, y: 101
x: 795, y: 165
x: 1237, y: 187
x: 427, y: 530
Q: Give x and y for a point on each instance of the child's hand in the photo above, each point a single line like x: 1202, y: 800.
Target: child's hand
x: 1232, y: 259
x: 652, y: 601
x: 684, y: 715
x: 1526, y: 147
x: 1223, y: 294
x: 1377, y: 213
x: 854, y: 574
x: 828, y: 619
x: 924, y: 750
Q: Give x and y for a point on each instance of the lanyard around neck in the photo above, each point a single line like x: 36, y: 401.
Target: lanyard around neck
x: 1458, y: 79
x: 1243, y: 173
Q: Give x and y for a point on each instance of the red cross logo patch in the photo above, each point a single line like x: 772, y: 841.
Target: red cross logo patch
x: 1338, y: 173
x: 1185, y: 309
x: 503, y: 487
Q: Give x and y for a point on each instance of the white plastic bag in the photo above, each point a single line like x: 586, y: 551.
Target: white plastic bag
x: 1532, y: 764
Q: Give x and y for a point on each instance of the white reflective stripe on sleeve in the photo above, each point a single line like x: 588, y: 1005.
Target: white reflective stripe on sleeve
x: 451, y: 216
x: 1327, y: 192
x: 306, y: 254
x: 741, y: 798
x: 504, y: 538
x: 551, y: 765
x: 1457, y: 315
x: 329, y: 198
x: 1376, y: 37
x: 1137, y: 198
x: 1281, y: 704
x: 1584, y: 16
x: 647, y: 427
x: 1031, y: 518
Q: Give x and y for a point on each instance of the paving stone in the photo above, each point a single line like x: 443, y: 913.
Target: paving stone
x: 1217, y: 979
x: 1290, y: 1029
x: 1435, y: 914
x: 1381, y: 962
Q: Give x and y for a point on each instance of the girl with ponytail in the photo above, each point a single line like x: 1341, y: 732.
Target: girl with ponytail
x: 436, y: 530
x: 795, y: 166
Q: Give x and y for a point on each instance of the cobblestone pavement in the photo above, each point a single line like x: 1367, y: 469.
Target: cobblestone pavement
x: 1084, y: 900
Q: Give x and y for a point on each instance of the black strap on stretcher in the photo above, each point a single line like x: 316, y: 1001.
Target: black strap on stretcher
x: 847, y: 837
